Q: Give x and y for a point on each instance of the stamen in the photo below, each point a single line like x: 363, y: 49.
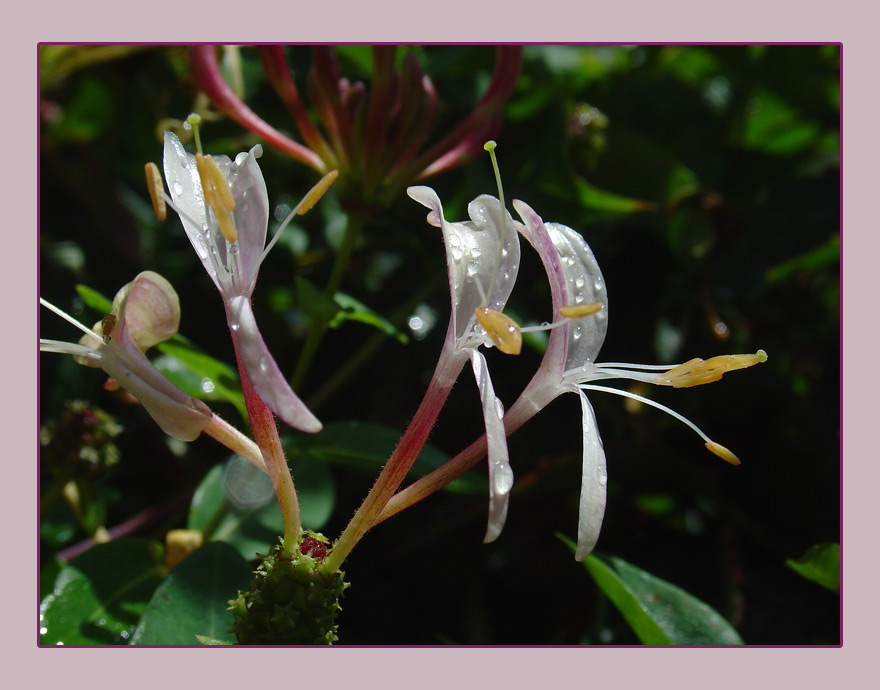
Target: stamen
x: 578, y: 310
x: 309, y: 200
x: 715, y: 448
x: 214, y: 195
x: 722, y: 452
x: 315, y: 193
x: 503, y: 330
x: 156, y: 190
x: 697, y: 372
x: 205, y: 179
x: 67, y: 317
x: 220, y: 183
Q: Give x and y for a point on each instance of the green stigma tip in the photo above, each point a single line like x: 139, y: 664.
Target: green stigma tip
x: 489, y: 146
x: 762, y: 356
x: 194, y: 119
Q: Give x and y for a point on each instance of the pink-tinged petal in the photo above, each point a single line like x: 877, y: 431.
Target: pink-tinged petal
x: 148, y: 310
x: 594, y: 479
x: 584, y: 284
x: 251, y: 212
x: 263, y: 372
x: 176, y: 413
x: 500, y: 473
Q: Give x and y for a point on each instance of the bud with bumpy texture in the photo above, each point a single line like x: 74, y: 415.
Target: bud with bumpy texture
x: 292, y: 600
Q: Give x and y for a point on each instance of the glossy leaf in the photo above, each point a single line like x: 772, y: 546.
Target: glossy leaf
x: 820, y: 564
x: 658, y: 612
x: 353, y: 310
x: 244, y: 512
x: 100, y: 595
x: 366, y: 446
x: 193, y: 600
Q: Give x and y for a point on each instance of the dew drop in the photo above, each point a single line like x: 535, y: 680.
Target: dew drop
x: 472, y: 268
x: 454, y: 241
x: 264, y: 364
x: 475, y: 252
x: 456, y: 253
x: 499, y: 408
x: 599, y: 285
x: 207, y: 385
x: 178, y: 188
x: 576, y: 334
x: 579, y: 282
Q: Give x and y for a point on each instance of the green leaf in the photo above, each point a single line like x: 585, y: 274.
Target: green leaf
x: 368, y: 446
x: 658, y: 612
x: 353, y: 310
x: 815, y: 259
x: 595, y: 199
x: 192, y: 601
x: 198, y: 374
x: 94, y: 299
x: 100, y: 595
x: 235, y: 503
x: 820, y: 564
x: 211, y: 641
x: 251, y: 525
x: 317, y: 306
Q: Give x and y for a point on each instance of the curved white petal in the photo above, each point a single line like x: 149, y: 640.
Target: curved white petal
x: 475, y: 252
x: 594, y: 479
x: 263, y: 372
x: 584, y: 284
x: 232, y: 267
x: 500, y: 473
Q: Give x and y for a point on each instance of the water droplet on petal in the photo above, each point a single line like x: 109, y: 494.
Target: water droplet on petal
x: 472, y: 268
x: 475, y: 252
x: 264, y: 364
x: 178, y: 188
x: 456, y: 253
x: 602, y: 476
x: 579, y: 282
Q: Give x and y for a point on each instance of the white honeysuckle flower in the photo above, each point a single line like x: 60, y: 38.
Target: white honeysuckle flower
x: 145, y: 312
x: 580, y: 306
x: 482, y: 258
x: 224, y: 208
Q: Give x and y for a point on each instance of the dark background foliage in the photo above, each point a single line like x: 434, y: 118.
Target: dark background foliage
x: 706, y: 180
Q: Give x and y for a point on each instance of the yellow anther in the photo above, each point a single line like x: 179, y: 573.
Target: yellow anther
x: 722, y: 452
x: 503, y: 330
x: 156, y: 190
x: 226, y: 223
x: 696, y: 372
x: 315, y: 193
x: 205, y: 178
x: 578, y: 310
x: 221, y: 185
x: 216, y: 195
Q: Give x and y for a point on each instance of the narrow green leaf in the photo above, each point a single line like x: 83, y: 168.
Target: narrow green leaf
x: 658, y: 612
x: 192, y: 601
x: 820, y: 564
x: 367, y: 446
x: 100, y: 595
x: 595, y: 199
x: 94, y: 299
x: 317, y: 306
x: 353, y: 310
x: 211, y: 641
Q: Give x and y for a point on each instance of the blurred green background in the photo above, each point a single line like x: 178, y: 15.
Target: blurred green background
x: 707, y: 181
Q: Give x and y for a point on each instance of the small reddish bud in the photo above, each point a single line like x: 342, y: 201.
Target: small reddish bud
x: 313, y: 546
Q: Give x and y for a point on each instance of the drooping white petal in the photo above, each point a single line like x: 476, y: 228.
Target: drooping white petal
x: 594, y: 480
x: 500, y: 473
x: 263, y: 372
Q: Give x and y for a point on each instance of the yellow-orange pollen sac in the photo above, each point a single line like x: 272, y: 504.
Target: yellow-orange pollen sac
x: 218, y: 195
x: 697, y: 371
x: 576, y: 311
x: 722, y: 452
x: 156, y: 190
x: 315, y: 193
x: 503, y: 330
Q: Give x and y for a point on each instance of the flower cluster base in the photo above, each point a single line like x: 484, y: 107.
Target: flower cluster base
x: 292, y: 600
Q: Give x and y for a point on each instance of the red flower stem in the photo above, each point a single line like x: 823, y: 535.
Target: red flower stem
x: 521, y: 412
x: 266, y: 435
x: 403, y: 457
